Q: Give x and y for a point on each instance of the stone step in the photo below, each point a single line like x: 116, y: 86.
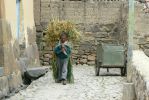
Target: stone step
x: 36, y: 72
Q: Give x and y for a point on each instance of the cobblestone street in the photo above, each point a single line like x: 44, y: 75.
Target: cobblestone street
x: 87, y: 86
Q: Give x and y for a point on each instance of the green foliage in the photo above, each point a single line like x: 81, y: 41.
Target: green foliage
x: 55, y: 28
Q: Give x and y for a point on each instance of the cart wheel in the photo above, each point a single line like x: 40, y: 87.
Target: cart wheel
x: 123, y: 71
x: 107, y: 69
x: 97, y: 71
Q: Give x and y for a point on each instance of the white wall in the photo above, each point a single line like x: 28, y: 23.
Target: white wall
x: 10, y: 15
x: 28, y: 17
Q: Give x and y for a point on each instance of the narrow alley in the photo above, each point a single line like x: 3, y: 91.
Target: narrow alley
x: 87, y: 86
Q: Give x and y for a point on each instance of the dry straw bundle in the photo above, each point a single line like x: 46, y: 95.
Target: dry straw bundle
x: 55, y: 28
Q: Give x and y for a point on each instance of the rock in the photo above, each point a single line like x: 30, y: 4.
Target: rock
x: 80, y: 52
x: 104, y: 29
x: 74, y: 57
x: 91, y: 63
x: 84, y: 61
x: 38, y: 34
x: 146, y: 46
x: 45, y: 63
x: 87, y: 53
x: 74, y: 51
x: 91, y: 58
x: 142, y: 40
x: 41, y: 58
x: 147, y: 38
x: 146, y: 51
x: 39, y: 28
x: 84, y: 56
x: 46, y: 59
x: 35, y: 73
x: 93, y: 54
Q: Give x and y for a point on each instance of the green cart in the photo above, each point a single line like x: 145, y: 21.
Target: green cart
x: 110, y: 56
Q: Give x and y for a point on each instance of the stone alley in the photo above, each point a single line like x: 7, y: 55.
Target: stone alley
x: 87, y: 86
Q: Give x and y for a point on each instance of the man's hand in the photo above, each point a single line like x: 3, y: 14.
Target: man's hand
x: 62, y: 45
x: 63, y: 49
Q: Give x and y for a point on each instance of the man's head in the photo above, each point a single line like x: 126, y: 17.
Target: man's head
x: 63, y: 37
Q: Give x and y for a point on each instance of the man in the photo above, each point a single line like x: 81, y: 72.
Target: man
x: 62, y: 52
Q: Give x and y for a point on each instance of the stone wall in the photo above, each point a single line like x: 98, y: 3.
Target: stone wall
x: 10, y: 74
x: 98, y: 19
x: 15, y: 56
x: 140, y: 76
x: 141, y: 36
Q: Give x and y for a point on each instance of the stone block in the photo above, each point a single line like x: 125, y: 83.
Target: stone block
x: 46, y: 63
x: 35, y: 73
x: 146, y: 46
x: 39, y: 28
x: 39, y: 35
x: 80, y: 52
x: 91, y: 63
x: 83, y: 61
x: 91, y: 58
x: 147, y: 38
x: 146, y: 51
x: 47, y: 55
x: 46, y: 59
x: 75, y: 51
x: 141, y: 40
x: 84, y: 56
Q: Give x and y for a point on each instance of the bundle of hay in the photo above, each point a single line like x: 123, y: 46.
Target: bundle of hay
x: 55, y: 28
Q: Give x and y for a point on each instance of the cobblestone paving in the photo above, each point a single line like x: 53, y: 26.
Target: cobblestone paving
x: 87, y: 86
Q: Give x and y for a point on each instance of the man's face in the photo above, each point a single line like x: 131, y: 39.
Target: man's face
x: 63, y: 38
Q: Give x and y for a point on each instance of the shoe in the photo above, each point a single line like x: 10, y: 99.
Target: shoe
x: 58, y: 81
x: 64, y: 82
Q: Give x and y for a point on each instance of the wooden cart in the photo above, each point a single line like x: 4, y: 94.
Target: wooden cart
x: 109, y: 55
